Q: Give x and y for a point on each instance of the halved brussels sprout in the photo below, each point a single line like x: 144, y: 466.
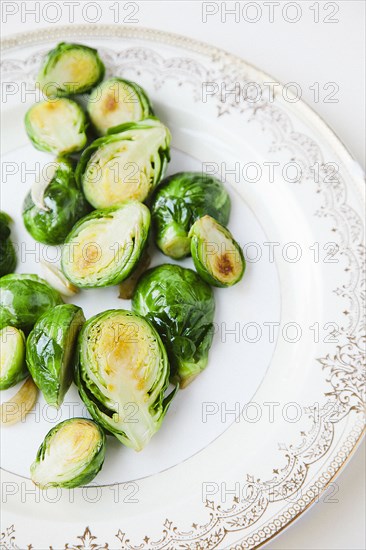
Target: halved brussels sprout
x: 70, y: 69
x: 178, y: 202
x: 8, y: 259
x: 13, y: 368
x: 56, y: 126
x: 115, y: 102
x: 217, y: 257
x: 105, y: 247
x: 125, y: 164
x: 24, y: 298
x: 122, y: 375
x: 181, y: 306
x: 50, y: 351
x: 71, y: 455
x: 58, y: 207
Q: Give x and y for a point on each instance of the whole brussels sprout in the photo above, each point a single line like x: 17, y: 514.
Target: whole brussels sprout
x: 181, y: 306
x: 56, y: 126
x: 122, y: 375
x: 12, y: 363
x: 8, y: 259
x: 50, y: 351
x: 127, y: 163
x: 217, y: 257
x: 178, y: 202
x: 59, y: 207
x: 71, y: 455
x: 115, y: 102
x: 24, y: 298
x: 70, y: 69
x: 104, y: 248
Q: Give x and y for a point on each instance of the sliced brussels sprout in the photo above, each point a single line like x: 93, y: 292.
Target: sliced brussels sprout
x: 62, y: 204
x: 17, y: 407
x: 24, y: 298
x: 125, y: 164
x: 105, y: 247
x: 181, y: 306
x: 12, y: 357
x: 70, y: 69
x: 178, y: 202
x: 8, y: 258
x: 50, y: 351
x: 122, y: 375
x: 56, y: 126
x: 115, y: 102
x: 71, y: 455
x: 217, y: 257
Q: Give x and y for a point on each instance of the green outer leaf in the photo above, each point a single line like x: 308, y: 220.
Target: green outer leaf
x: 124, y: 262
x: 104, y: 406
x: 181, y: 306
x: 135, y: 91
x: 24, y: 298
x: 178, y: 202
x: 50, y: 351
x: 65, y: 204
x: 118, y: 135
x: 200, y: 251
x: 72, y: 478
x: 8, y: 258
x: 55, y: 56
x: 12, y: 341
x: 76, y: 126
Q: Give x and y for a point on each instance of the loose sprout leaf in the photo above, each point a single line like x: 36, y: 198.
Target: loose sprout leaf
x: 40, y: 185
x: 54, y: 276
x: 16, y: 409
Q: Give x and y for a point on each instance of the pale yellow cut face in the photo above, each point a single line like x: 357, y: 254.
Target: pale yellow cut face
x: 104, y: 242
x: 221, y: 256
x: 114, y: 104
x: 74, y: 68
x: 58, y: 124
x: 122, y: 170
x: 68, y: 453
x: 127, y: 362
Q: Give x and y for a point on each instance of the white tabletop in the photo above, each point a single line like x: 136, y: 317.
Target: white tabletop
x: 322, y: 50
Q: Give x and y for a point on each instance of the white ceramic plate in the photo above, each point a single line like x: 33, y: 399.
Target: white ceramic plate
x: 263, y: 431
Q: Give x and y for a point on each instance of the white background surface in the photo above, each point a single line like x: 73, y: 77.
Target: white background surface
x: 305, y: 52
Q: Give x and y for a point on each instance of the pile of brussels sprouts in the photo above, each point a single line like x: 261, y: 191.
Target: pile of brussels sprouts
x: 102, y: 211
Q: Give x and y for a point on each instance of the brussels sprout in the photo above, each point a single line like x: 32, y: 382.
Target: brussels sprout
x: 50, y: 351
x: 71, y: 455
x: 70, y: 69
x: 24, y: 298
x: 122, y: 375
x: 12, y: 357
x: 181, y: 306
x: 217, y: 257
x: 178, y: 202
x: 105, y: 247
x: 8, y: 259
x: 115, y: 102
x: 125, y: 164
x: 56, y: 126
x: 62, y: 204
